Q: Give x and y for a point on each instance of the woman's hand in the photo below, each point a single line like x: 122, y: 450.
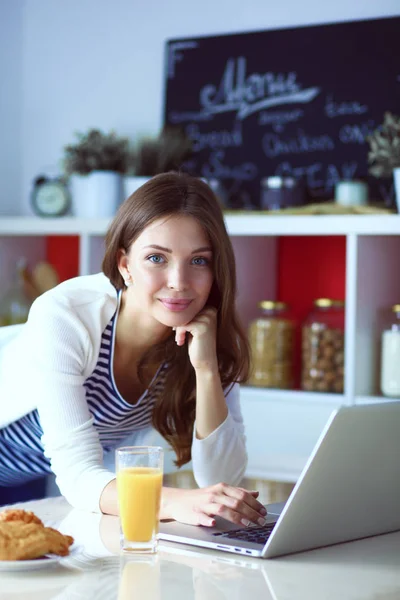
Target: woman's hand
x: 202, y: 340
x: 198, y: 507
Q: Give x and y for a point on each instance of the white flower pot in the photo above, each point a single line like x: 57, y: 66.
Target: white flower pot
x: 396, y: 178
x: 96, y: 195
x: 132, y: 183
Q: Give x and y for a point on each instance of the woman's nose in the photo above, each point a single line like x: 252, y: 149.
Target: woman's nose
x: 178, y: 278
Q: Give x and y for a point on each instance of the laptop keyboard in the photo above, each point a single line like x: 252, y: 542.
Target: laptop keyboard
x: 256, y: 535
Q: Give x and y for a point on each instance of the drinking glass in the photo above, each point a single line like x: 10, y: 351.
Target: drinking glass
x: 139, y: 482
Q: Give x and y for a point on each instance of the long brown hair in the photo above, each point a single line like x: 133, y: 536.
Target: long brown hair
x: 162, y: 196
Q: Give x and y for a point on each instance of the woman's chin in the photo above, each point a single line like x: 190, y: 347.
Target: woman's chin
x: 175, y: 319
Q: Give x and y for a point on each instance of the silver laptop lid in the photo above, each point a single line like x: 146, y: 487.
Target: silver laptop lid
x: 350, y: 486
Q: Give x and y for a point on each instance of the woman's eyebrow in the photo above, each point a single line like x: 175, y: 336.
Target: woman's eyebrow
x: 203, y: 249
x: 157, y: 247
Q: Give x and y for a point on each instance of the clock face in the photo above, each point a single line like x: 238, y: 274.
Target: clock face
x: 51, y: 199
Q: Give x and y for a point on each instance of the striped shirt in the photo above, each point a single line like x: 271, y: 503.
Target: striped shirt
x: 21, y: 450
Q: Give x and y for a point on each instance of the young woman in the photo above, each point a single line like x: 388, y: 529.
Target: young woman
x: 152, y: 342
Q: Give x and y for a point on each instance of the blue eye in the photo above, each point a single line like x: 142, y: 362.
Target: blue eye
x: 156, y: 259
x: 200, y: 261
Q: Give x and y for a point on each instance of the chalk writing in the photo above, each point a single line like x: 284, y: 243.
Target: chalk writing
x: 338, y: 109
x: 356, y: 133
x: 387, y: 193
x: 175, y: 55
x: 294, y: 101
x: 215, y: 139
x: 247, y: 94
x: 279, y: 119
x: 319, y: 176
x: 275, y: 145
x: 215, y: 168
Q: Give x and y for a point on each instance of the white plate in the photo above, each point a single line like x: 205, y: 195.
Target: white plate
x: 29, y: 565
x: 49, y: 560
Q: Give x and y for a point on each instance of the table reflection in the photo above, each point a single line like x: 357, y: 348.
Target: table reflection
x: 140, y: 578
x: 368, y: 569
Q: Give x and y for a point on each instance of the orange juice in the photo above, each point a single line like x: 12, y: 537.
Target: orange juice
x: 139, y: 495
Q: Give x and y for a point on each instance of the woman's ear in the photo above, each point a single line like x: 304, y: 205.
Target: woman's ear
x: 123, y: 266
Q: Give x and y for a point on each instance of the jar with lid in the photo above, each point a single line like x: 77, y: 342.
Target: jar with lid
x: 281, y: 192
x: 323, y: 347
x: 271, y: 338
x: 390, y: 359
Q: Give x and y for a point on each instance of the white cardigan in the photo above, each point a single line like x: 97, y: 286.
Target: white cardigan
x: 44, y: 366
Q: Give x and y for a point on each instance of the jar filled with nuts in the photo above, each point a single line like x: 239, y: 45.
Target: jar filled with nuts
x: 271, y: 339
x: 323, y: 347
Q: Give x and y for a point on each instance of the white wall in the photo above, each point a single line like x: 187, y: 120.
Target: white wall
x: 11, y: 49
x: 100, y: 63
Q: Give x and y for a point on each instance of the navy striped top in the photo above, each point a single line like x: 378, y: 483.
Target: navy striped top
x: 21, y: 450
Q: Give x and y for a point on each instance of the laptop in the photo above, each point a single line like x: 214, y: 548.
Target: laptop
x: 349, y: 489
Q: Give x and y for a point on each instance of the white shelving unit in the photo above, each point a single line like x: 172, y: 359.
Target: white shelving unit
x: 238, y: 224
x: 281, y: 426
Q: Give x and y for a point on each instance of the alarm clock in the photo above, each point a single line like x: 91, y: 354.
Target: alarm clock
x: 50, y: 197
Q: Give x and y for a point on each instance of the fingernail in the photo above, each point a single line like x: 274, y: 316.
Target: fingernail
x: 263, y: 511
x: 245, y: 522
x: 261, y: 521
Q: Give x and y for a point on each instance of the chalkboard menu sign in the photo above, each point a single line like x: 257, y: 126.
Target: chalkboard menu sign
x: 296, y: 101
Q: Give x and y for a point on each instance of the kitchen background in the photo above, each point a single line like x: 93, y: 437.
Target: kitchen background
x: 66, y: 66
x: 69, y: 66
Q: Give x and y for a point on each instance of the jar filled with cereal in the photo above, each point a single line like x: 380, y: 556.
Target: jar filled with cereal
x: 271, y: 338
x: 323, y: 347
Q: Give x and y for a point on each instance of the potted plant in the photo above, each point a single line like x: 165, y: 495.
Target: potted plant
x: 384, y: 154
x: 157, y: 155
x: 95, y: 165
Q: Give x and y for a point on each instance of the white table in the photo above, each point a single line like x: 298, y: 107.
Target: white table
x: 363, y: 570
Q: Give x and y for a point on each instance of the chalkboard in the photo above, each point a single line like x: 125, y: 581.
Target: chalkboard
x: 296, y: 101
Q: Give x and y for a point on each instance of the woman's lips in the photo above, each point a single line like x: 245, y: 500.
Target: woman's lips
x: 175, y: 305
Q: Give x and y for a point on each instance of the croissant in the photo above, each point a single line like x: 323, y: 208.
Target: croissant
x: 23, y: 536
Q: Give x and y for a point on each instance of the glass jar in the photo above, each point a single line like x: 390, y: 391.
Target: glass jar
x: 323, y: 347
x: 271, y: 338
x: 281, y: 192
x: 390, y: 359
x: 14, y: 304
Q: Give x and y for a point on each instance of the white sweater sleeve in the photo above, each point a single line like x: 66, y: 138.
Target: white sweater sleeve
x: 60, y: 347
x: 222, y: 455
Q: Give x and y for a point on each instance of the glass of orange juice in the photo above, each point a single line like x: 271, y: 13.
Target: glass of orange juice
x: 139, y: 482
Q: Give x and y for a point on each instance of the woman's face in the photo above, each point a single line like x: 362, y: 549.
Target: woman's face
x: 170, y: 267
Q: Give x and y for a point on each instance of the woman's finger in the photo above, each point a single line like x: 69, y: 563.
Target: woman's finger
x: 254, y: 493
x: 244, y: 510
x: 207, y: 319
x: 209, y: 312
x: 244, y: 496
x: 205, y: 520
x: 180, y: 336
x: 214, y: 509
